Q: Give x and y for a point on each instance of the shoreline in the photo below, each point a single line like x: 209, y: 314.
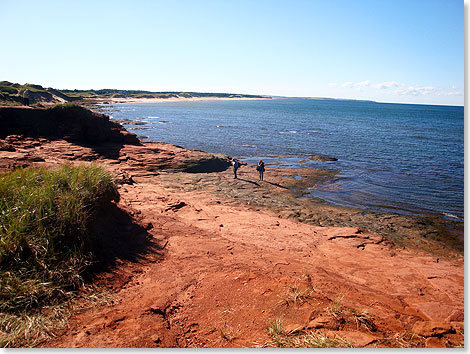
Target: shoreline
x: 404, y: 201
x: 455, y: 223
x: 170, y: 99
x: 453, y: 227
x: 383, y: 209
x: 288, y: 199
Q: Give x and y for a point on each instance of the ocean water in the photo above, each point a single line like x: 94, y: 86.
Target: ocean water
x: 391, y: 157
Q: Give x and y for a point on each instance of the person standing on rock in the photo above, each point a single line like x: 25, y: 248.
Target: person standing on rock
x: 236, y: 166
x: 26, y: 96
x: 260, y: 169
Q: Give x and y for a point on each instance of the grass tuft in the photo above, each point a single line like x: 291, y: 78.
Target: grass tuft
x: 227, y: 335
x: 336, y: 308
x: 309, y: 339
x: 16, y: 329
x: 295, y: 294
x: 363, y: 318
x: 66, y: 106
x: 275, y: 328
x: 320, y: 340
x: 44, y: 243
x: 28, y: 329
x: 404, y: 340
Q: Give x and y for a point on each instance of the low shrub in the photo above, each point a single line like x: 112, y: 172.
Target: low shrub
x: 67, y: 106
x: 8, y: 89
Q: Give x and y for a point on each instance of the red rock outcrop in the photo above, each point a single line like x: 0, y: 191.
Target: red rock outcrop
x: 70, y: 122
x: 73, y: 133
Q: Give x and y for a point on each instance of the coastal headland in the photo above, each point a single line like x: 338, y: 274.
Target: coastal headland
x: 212, y: 261
x: 14, y: 94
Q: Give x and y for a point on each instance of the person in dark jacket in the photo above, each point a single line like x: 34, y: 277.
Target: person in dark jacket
x: 260, y: 169
x: 236, y: 166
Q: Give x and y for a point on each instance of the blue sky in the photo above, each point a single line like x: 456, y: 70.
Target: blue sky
x: 409, y: 51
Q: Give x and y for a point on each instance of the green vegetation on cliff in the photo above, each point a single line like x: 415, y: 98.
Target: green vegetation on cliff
x: 11, y: 94
x: 111, y: 93
x: 45, y: 244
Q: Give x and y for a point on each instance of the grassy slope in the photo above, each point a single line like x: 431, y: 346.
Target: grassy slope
x: 10, y: 93
x: 110, y: 93
x: 45, y: 245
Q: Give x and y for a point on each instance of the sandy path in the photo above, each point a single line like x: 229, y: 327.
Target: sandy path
x: 229, y: 270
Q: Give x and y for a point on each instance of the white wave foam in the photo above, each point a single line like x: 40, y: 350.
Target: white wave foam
x: 452, y: 216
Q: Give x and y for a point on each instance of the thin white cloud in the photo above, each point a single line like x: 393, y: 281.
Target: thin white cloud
x: 356, y: 85
x: 332, y: 84
x: 362, y: 84
x: 403, y: 89
x: 386, y: 85
x: 417, y: 90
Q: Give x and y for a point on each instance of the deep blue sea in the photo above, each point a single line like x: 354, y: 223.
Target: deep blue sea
x: 393, y: 157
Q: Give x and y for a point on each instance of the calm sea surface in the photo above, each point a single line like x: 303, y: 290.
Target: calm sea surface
x: 392, y: 157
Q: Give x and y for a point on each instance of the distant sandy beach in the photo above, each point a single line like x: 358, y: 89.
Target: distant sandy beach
x: 177, y: 99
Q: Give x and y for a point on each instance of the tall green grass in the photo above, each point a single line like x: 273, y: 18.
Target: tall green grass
x: 44, y: 243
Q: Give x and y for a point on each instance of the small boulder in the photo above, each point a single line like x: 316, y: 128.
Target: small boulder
x: 356, y: 338
x: 434, y: 342
x: 160, y: 306
x: 156, y: 338
x: 6, y: 147
x: 124, y: 178
x: 319, y: 322
x: 293, y: 328
x: 322, y: 158
x: 456, y: 316
x: 432, y: 328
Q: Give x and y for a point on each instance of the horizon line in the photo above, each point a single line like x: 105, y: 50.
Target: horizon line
x: 263, y: 95
x: 281, y: 96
